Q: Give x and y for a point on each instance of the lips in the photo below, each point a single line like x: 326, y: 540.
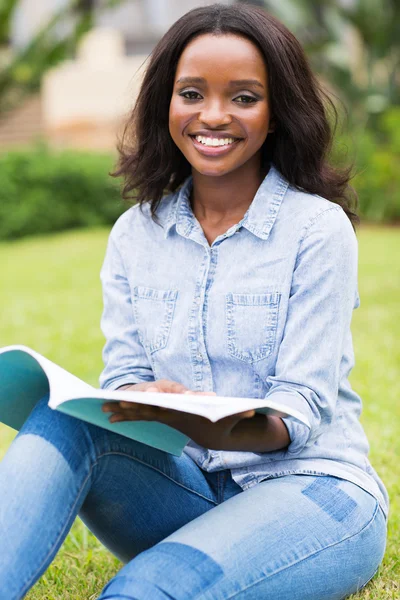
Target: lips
x: 219, y: 150
x: 214, y: 143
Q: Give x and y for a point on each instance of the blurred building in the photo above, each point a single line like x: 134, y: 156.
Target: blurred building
x: 84, y: 101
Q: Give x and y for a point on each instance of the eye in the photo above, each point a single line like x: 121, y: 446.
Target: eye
x: 190, y: 95
x: 245, y: 99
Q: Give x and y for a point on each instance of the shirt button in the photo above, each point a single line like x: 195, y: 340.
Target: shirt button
x: 199, y: 356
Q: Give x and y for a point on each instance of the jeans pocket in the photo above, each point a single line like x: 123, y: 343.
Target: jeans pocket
x: 251, y: 321
x: 154, y: 311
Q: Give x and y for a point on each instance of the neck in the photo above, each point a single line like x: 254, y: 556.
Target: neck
x: 227, y: 197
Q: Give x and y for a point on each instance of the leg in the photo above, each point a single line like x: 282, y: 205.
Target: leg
x: 298, y: 537
x: 140, y: 495
x: 58, y: 465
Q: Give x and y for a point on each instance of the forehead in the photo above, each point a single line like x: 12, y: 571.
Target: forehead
x: 220, y: 56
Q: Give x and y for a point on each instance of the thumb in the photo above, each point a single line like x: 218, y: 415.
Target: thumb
x: 247, y: 414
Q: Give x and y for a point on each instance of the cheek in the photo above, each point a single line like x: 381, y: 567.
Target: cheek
x: 178, y: 119
x: 258, y: 124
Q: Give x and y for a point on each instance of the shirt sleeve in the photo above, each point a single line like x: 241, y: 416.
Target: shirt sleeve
x: 322, y: 297
x: 125, y: 360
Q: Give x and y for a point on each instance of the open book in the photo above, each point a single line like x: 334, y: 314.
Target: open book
x: 26, y: 376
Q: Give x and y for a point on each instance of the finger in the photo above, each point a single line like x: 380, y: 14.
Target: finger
x: 246, y: 415
x: 109, y: 406
x: 237, y: 417
x: 128, y: 405
x: 131, y: 415
x: 178, y: 388
x: 117, y: 418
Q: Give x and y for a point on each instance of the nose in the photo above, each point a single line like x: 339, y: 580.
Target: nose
x: 214, y: 114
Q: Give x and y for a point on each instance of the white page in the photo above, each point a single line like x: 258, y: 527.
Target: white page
x: 211, y: 407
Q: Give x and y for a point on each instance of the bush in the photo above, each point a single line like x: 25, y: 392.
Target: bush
x: 377, y: 169
x: 45, y: 191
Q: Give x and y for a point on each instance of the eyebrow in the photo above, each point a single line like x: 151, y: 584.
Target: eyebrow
x: 235, y: 83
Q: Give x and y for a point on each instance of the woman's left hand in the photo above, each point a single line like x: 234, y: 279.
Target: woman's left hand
x: 225, y: 434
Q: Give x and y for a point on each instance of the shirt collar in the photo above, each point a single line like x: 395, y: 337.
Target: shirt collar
x: 259, y: 218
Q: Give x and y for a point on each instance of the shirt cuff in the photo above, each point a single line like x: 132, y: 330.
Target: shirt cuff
x: 299, y: 434
x: 127, y: 379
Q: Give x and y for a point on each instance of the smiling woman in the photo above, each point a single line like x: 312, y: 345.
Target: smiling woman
x: 221, y: 114
x: 236, y: 275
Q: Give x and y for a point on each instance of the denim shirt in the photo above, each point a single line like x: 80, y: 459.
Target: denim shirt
x: 264, y: 312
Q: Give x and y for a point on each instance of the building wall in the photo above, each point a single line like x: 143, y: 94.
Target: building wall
x: 135, y: 19
x: 84, y: 101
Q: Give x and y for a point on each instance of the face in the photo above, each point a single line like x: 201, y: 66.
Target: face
x: 219, y: 112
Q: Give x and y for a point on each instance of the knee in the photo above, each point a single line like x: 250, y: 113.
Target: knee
x: 168, y: 570
x: 70, y: 436
x: 44, y: 420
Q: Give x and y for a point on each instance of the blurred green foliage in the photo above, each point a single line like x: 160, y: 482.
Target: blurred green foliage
x: 46, y: 191
x: 354, y: 45
x: 22, y: 69
x: 376, y: 159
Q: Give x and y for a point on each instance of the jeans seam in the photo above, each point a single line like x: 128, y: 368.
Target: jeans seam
x: 27, y: 585
x: 159, y: 471
x: 223, y: 485
x: 308, y: 556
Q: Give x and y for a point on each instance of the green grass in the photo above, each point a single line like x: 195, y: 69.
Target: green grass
x: 51, y: 301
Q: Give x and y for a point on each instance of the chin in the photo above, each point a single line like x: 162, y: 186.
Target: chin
x: 213, y: 170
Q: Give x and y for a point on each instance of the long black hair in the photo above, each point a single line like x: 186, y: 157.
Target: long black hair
x: 151, y: 163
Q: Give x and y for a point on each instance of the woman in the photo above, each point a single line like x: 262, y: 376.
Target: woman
x: 237, y: 275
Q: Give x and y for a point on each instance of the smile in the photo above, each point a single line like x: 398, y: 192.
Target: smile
x: 212, y: 146
x: 209, y: 141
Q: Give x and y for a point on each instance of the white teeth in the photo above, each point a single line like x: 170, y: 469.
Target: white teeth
x: 208, y: 141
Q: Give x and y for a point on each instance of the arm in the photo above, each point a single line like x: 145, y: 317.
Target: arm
x: 322, y: 298
x: 124, y: 357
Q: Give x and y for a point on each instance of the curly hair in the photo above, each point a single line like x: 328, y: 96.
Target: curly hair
x: 152, y: 165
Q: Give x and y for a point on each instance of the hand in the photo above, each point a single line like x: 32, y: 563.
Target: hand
x: 225, y: 434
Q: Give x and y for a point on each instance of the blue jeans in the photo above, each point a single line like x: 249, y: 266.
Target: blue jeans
x: 183, y: 533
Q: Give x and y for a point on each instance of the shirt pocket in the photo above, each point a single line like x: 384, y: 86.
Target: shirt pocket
x: 251, y: 321
x: 154, y: 312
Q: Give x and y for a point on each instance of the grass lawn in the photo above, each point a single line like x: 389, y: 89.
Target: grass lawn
x: 51, y: 301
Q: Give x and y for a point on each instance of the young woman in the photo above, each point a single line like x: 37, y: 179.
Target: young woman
x: 236, y: 275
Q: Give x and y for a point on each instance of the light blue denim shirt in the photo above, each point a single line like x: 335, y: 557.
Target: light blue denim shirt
x: 265, y: 311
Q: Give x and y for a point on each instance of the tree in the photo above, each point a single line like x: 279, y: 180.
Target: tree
x: 21, y: 71
x: 354, y: 45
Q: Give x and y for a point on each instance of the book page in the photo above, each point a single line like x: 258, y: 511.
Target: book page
x: 211, y: 407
